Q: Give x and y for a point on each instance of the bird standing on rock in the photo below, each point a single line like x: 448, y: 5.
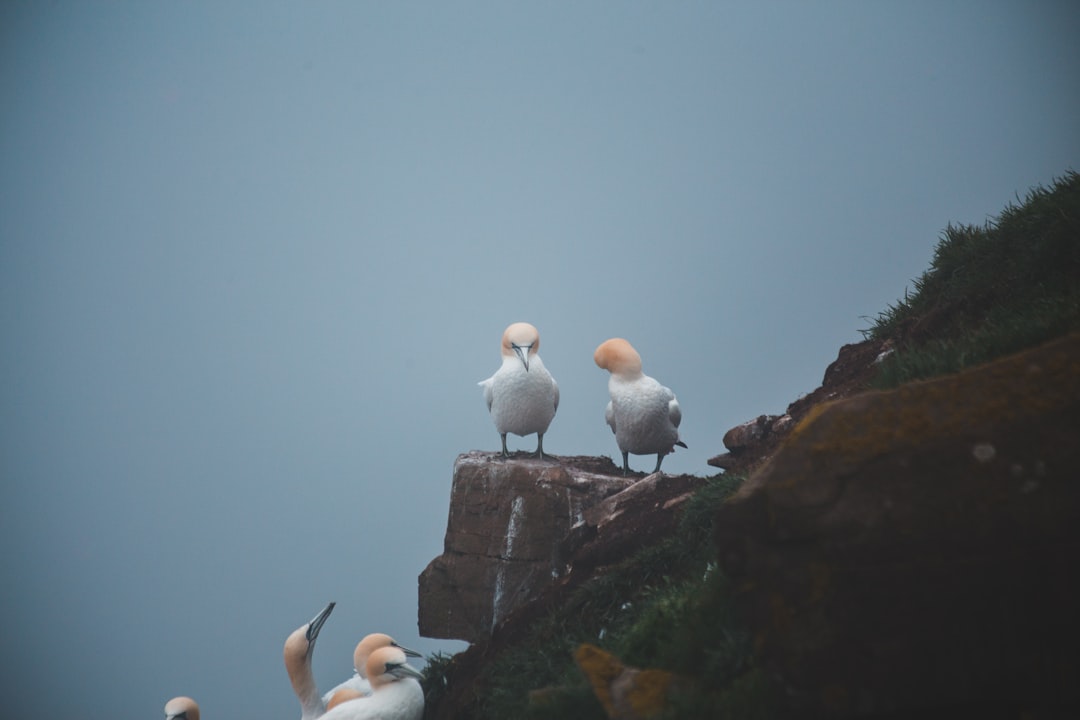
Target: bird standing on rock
x: 521, y: 396
x: 643, y: 414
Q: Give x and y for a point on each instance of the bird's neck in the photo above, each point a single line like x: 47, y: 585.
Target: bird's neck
x: 303, y: 683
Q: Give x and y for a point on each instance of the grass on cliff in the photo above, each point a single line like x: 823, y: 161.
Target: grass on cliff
x: 1008, y: 285
x: 668, y: 607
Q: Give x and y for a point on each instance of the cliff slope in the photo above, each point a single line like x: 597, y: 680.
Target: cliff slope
x: 904, y: 551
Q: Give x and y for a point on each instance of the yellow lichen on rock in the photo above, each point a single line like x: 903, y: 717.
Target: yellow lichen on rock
x: 646, y: 693
x: 837, y: 436
x: 626, y: 693
x: 601, y: 668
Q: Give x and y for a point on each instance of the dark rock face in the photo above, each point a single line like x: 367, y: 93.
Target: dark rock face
x: 507, y: 519
x: 754, y: 441
x: 749, y: 433
x: 912, y: 550
x: 641, y: 515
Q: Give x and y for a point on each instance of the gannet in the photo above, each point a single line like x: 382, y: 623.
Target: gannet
x: 299, y: 648
x: 643, y: 414
x: 358, y: 683
x: 181, y: 708
x: 396, y: 692
x: 521, y: 395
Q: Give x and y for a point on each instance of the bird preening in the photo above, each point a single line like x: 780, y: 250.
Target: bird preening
x: 643, y: 414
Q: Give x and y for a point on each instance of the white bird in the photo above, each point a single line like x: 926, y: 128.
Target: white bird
x: 521, y: 396
x: 299, y: 647
x: 298, y: 651
x: 643, y: 414
x: 396, y: 692
x: 358, y: 684
x: 181, y: 708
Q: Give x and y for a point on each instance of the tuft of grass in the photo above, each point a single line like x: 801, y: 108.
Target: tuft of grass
x: 668, y: 607
x: 434, y: 682
x: 1006, y: 330
x: 1008, y: 285
x: 688, y: 627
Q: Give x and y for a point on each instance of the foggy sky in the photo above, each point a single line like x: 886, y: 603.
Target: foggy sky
x: 254, y: 258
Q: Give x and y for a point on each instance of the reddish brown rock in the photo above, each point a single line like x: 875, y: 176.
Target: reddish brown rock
x: 754, y: 441
x: 506, y: 520
x: 749, y: 433
x: 587, y: 516
x: 639, y: 516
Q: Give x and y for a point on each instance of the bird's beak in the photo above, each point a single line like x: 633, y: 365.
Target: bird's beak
x: 523, y: 354
x: 317, y: 622
x: 407, y: 651
x: 404, y: 670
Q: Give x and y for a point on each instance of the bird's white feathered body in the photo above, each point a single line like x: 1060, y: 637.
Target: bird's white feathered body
x: 359, y: 685
x: 521, y: 401
x: 356, y: 683
x: 401, y: 700
x: 522, y: 396
x: 643, y: 414
x: 396, y: 693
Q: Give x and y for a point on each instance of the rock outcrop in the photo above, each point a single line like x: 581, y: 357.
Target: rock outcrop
x: 543, y: 526
x: 895, y: 554
x: 915, y: 549
x: 518, y: 524
x: 752, y: 442
x: 507, y: 518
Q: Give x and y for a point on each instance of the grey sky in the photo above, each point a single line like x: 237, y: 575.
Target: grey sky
x: 254, y: 258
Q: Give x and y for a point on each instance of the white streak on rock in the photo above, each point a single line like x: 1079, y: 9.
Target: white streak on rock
x: 507, y: 555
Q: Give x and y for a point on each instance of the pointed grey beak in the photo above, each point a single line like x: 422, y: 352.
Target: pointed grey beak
x: 523, y: 354
x: 404, y: 670
x: 317, y: 622
x: 407, y: 651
